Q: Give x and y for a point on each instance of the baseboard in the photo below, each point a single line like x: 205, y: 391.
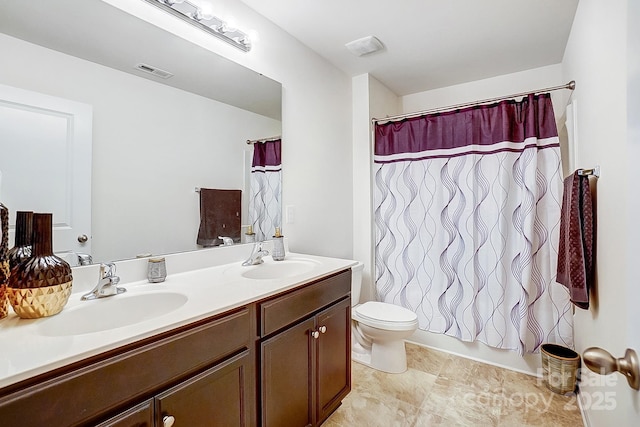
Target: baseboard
x: 583, y: 413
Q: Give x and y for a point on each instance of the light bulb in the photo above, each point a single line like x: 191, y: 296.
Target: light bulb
x: 253, y: 36
x: 231, y: 24
x: 207, y: 11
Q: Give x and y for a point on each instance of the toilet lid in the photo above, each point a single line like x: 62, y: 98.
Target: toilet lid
x: 382, y: 311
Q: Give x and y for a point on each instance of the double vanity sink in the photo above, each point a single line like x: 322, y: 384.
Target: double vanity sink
x: 202, y: 322
x: 146, y: 301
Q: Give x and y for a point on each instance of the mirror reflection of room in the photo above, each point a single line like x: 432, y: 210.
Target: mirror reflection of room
x: 152, y: 140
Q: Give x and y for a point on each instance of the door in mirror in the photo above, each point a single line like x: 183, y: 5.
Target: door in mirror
x: 45, y: 161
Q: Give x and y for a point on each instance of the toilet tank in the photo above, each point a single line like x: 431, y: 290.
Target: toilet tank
x: 356, y: 283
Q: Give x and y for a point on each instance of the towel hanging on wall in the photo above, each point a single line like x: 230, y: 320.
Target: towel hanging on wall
x: 219, y: 216
x: 576, y: 248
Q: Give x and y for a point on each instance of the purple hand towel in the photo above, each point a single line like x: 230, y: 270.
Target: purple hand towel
x: 576, y: 250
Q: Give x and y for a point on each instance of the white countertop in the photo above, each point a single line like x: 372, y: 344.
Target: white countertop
x: 27, y: 349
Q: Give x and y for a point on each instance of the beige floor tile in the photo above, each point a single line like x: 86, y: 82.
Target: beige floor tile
x: 521, y: 390
x: 440, y: 389
x: 534, y: 419
x: 425, y: 359
x: 457, y: 370
x: 358, y: 410
x: 411, y: 386
x: 463, y: 405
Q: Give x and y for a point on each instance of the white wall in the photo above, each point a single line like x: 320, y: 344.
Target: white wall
x: 316, y: 131
x: 523, y: 81
x: 370, y: 99
x: 633, y: 242
x: 152, y: 145
x: 596, y: 57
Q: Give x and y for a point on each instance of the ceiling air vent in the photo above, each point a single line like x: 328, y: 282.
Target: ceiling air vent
x: 153, y: 70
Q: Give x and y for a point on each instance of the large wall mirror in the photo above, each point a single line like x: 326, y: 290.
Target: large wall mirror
x: 154, y: 140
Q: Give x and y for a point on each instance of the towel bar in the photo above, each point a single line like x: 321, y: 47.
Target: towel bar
x: 590, y: 172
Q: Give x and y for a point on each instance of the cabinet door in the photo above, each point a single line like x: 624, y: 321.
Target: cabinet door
x: 333, y: 368
x: 286, y: 377
x: 220, y: 396
x: 139, y: 416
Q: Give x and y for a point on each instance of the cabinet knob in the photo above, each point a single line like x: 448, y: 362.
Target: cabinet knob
x: 168, y: 420
x: 315, y: 334
x: 83, y: 238
x: 322, y: 329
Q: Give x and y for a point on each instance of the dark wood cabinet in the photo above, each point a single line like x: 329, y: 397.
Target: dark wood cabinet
x: 107, y: 386
x: 306, y: 360
x: 221, y: 396
x: 138, y: 416
x: 286, y: 377
x: 281, y: 361
x: 333, y: 356
x: 218, y: 397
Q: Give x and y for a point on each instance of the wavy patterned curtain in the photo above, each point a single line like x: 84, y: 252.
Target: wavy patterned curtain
x: 265, y: 213
x: 467, y: 212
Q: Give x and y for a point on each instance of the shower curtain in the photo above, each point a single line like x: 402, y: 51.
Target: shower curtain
x: 467, y: 212
x: 265, y: 213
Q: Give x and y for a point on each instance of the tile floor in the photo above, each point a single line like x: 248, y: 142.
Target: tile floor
x: 440, y: 389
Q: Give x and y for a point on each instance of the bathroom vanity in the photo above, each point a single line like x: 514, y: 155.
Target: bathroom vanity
x: 279, y: 355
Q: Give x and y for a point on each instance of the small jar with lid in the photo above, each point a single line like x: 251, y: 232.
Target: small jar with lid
x: 156, y: 270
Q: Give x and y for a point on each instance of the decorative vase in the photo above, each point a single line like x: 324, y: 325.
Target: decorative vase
x: 40, y: 285
x: 4, y: 261
x: 21, y: 250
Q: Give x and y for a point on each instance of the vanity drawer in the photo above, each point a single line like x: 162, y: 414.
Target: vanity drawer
x: 280, y: 311
x: 101, y: 386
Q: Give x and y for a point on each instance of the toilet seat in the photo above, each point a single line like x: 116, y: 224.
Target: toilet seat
x: 386, y: 316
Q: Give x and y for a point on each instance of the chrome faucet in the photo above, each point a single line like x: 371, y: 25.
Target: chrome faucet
x: 226, y: 241
x: 107, y: 283
x: 84, y: 259
x: 256, y: 255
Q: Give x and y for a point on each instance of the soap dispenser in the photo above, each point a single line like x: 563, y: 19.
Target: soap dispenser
x: 278, y: 246
x: 249, y: 236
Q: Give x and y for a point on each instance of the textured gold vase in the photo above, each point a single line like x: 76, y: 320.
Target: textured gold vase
x: 4, y: 262
x: 33, y: 303
x: 40, y: 285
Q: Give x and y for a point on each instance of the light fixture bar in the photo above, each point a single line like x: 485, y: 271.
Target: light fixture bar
x: 191, y: 13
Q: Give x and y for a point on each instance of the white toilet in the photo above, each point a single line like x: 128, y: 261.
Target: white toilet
x: 378, y: 330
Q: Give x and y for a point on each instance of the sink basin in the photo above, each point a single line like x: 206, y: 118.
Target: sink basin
x: 278, y: 269
x: 112, y: 312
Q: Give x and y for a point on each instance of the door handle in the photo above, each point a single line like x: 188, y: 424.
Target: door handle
x: 602, y: 362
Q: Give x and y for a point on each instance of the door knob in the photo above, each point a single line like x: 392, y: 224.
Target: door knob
x: 602, y: 362
x: 83, y: 238
x: 168, y: 420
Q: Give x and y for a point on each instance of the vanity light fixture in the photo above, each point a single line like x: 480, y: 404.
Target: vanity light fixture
x: 196, y: 15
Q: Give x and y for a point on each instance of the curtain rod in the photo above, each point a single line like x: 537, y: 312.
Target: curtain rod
x: 571, y: 85
x: 273, y: 138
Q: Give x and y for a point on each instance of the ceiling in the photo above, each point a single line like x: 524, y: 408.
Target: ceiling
x: 429, y: 44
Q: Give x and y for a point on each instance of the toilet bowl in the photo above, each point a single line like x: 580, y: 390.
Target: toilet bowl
x: 378, y: 330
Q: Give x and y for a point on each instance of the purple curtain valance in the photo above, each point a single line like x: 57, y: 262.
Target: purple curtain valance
x: 504, y: 126
x: 267, y: 155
